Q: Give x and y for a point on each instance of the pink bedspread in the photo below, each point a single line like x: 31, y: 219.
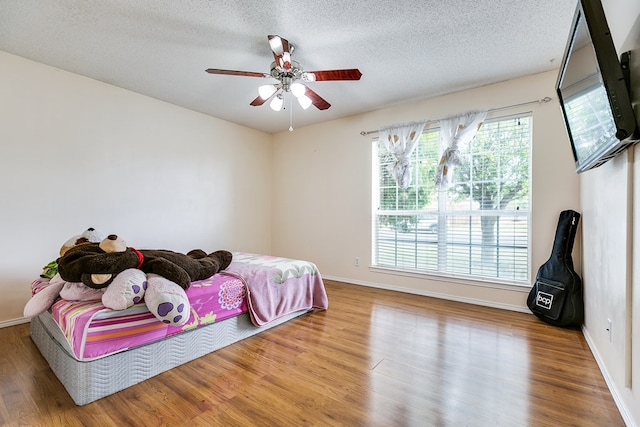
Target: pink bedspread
x: 278, y: 286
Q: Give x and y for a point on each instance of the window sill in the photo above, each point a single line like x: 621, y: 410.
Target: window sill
x: 461, y: 280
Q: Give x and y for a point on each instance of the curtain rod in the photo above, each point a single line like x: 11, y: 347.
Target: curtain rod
x: 537, y: 101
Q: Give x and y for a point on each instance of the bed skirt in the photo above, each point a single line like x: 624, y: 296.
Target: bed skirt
x: 89, y: 381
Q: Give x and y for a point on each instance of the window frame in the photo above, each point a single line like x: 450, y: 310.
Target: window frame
x: 472, y: 279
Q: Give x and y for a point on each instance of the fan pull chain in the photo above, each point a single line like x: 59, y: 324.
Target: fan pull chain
x: 290, y: 114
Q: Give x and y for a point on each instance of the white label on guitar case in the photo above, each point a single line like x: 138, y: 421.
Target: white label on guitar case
x: 544, y: 300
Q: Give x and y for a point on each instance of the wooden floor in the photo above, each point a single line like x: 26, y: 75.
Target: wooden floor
x: 375, y: 358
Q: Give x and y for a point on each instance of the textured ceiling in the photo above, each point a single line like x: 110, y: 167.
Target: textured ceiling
x: 405, y: 49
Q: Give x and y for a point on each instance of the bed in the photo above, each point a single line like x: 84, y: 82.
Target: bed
x: 95, y: 351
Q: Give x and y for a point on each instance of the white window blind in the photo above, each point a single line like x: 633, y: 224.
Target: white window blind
x: 477, y: 228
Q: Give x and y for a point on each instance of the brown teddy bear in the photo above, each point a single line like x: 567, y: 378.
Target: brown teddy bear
x: 112, y: 265
x: 96, y: 265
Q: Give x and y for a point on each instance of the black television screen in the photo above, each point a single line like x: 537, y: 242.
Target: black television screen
x: 593, y: 94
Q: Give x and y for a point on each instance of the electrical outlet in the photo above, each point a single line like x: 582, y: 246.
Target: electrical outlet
x: 356, y: 261
x: 609, y: 329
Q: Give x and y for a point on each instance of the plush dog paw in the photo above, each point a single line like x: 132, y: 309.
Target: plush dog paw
x: 167, y: 301
x: 128, y: 288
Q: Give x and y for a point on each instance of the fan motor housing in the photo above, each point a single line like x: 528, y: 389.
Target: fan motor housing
x: 295, y: 73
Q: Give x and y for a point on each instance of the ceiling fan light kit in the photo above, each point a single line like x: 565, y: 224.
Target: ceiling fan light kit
x: 266, y: 91
x: 304, y: 101
x: 297, y: 89
x: 277, y: 102
x: 289, y: 74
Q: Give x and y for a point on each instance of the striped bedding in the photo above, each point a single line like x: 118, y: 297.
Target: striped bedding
x: 94, y: 331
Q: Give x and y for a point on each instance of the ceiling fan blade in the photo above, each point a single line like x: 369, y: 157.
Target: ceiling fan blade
x: 236, y: 72
x: 319, y: 102
x: 258, y: 101
x: 324, y: 75
x: 281, y: 51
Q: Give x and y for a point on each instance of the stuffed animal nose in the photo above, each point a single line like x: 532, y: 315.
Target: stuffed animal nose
x: 113, y: 243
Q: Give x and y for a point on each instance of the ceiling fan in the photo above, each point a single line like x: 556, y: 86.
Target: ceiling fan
x: 290, y: 74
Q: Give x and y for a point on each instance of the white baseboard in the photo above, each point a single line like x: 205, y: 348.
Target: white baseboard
x: 433, y: 294
x: 14, y: 322
x: 617, y: 398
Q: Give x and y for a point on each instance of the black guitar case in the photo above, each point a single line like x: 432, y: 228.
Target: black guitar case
x: 556, y: 296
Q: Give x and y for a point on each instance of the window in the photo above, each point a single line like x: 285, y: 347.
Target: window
x: 479, y: 227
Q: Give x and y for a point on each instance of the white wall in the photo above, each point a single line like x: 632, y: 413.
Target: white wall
x: 76, y: 153
x: 610, y: 197
x: 322, y: 188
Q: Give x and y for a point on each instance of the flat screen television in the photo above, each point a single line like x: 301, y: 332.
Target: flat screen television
x: 593, y: 92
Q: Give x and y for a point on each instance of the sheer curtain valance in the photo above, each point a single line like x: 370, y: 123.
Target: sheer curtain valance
x: 401, y: 141
x: 455, y: 134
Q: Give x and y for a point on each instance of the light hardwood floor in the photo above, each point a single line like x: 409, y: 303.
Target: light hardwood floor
x: 375, y: 358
